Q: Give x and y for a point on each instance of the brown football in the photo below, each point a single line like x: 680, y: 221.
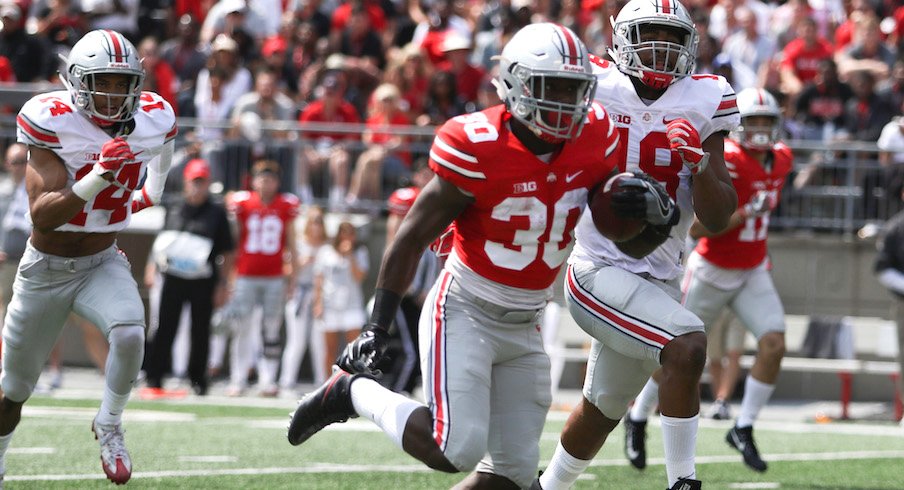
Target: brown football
x: 608, y: 223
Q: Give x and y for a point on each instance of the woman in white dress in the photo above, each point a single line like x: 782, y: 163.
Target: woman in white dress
x: 339, y: 271
x: 299, y: 315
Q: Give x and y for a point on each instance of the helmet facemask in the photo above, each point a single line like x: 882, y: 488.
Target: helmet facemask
x: 86, y: 95
x: 656, y: 63
x: 551, y: 119
x: 761, y: 120
x: 758, y: 131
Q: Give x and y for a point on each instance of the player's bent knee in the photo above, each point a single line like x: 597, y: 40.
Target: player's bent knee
x: 16, y: 390
x: 469, y: 454
x: 772, y: 344
x: 127, y: 339
x: 686, y: 353
x: 611, y: 406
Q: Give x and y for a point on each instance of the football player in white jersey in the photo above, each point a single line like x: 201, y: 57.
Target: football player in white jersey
x: 626, y: 295
x: 731, y: 268
x: 88, y: 148
x: 512, y: 180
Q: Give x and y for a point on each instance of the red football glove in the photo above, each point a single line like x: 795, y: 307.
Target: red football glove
x: 141, y: 201
x: 685, y: 140
x: 113, y: 154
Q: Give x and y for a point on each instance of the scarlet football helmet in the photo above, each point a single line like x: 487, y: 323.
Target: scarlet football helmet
x: 757, y: 102
x: 103, y: 52
x: 657, y: 63
x: 535, y: 53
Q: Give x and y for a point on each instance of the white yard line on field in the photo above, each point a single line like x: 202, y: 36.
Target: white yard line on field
x: 408, y: 468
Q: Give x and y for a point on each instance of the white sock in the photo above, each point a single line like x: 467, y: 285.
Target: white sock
x: 389, y: 410
x: 645, y: 402
x: 111, y: 408
x: 756, y: 395
x: 563, y: 470
x: 4, y: 445
x: 679, y: 436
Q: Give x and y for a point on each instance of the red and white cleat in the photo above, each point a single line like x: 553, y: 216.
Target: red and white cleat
x: 113, y: 454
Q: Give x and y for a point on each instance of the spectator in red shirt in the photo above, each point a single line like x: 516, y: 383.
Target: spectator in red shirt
x: 457, y: 50
x: 802, y: 55
x: 327, y: 153
x: 410, y: 72
x: 386, y: 157
x: 856, y: 10
x: 441, y: 22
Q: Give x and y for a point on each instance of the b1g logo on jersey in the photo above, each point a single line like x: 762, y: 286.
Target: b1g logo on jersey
x: 621, y: 118
x: 523, y: 187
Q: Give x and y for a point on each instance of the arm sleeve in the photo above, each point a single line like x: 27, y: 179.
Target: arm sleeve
x: 158, y: 168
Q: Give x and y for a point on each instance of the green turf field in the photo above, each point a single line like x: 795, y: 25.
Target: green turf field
x: 189, y: 445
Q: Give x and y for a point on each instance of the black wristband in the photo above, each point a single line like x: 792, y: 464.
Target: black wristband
x: 386, y: 304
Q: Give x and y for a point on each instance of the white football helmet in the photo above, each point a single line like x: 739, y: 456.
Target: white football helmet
x: 659, y: 63
x: 534, y: 53
x: 103, y: 52
x: 757, y: 102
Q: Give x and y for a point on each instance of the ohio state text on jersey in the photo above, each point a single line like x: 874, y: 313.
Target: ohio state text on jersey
x: 52, y: 122
x: 517, y: 231
x: 745, y: 246
x: 708, y: 102
x: 262, y: 237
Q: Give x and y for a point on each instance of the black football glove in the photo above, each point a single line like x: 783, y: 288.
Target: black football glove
x: 643, y: 197
x: 362, y: 355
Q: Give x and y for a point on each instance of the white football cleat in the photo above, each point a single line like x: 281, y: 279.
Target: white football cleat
x: 113, y: 454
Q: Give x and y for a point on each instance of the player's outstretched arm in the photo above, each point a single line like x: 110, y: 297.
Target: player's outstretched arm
x: 715, y: 199
x: 152, y: 191
x: 438, y: 204
x: 435, y: 208
x: 51, y: 202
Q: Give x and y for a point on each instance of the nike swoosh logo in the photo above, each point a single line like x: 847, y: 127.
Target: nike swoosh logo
x: 569, y: 178
x: 740, y: 445
x: 632, y: 453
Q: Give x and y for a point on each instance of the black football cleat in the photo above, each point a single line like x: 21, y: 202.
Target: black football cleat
x: 742, y: 440
x: 329, y: 404
x: 636, y: 442
x: 687, y: 484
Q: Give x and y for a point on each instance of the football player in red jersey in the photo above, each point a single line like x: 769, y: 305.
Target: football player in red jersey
x: 627, y: 295
x: 88, y: 148
x: 514, y: 180
x: 731, y: 268
x: 266, y: 225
